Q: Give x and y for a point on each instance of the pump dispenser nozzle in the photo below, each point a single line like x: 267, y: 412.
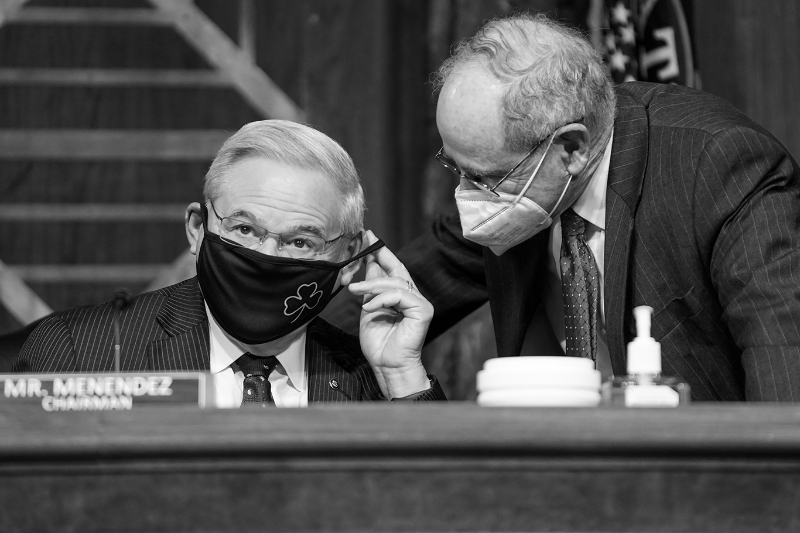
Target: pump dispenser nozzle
x: 644, y: 386
x: 644, y: 353
x: 642, y: 316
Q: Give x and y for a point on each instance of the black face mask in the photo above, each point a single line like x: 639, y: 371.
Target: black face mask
x: 258, y: 298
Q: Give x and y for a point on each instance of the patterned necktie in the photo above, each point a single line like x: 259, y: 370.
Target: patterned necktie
x: 256, y: 372
x: 580, y: 285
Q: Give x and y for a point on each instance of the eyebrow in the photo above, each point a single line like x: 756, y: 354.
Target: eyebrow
x: 474, y: 171
x: 243, y: 213
x: 303, y: 228
x: 494, y: 172
x: 311, y: 229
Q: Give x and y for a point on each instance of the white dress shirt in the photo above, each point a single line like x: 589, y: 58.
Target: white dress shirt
x: 288, y: 381
x: 591, y: 206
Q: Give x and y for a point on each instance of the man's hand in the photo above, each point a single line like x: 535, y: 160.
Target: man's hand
x: 394, y: 321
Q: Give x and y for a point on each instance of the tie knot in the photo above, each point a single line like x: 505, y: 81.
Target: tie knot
x: 572, y: 224
x: 251, y: 365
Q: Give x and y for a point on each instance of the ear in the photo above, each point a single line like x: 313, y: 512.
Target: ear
x: 193, y: 220
x: 574, y: 142
x: 347, y: 273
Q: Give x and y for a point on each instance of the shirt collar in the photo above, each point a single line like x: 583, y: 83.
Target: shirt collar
x: 224, y: 352
x: 591, y: 206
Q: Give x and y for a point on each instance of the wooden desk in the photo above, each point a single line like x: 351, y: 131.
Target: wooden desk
x: 401, y: 468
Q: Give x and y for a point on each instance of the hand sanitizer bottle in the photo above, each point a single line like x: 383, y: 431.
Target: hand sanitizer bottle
x: 644, y: 386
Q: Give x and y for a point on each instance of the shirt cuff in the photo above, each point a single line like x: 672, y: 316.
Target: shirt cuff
x: 433, y: 393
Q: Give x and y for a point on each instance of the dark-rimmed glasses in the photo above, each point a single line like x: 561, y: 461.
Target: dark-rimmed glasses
x: 295, y: 244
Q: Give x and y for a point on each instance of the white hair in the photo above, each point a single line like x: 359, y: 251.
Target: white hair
x: 299, y: 146
x: 553, y: 76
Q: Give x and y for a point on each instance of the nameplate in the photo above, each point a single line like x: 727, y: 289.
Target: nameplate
x: 106, y: 391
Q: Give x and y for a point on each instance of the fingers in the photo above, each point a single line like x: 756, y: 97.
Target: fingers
x: 383, y: 284
x: 374, y: 269
x: 386, y: 259
x: 369, y: 238
x: 410, y: 305
x: 392, y: 292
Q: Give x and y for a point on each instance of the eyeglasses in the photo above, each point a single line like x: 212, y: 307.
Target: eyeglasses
x: 295, y: 244
x: 448, y: 163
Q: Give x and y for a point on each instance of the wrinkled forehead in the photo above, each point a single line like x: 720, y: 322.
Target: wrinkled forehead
x: 274, y: 193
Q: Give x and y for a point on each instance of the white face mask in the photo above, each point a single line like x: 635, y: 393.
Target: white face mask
x: 501, y: 222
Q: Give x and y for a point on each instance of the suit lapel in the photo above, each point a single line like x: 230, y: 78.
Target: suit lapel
x: 513, y: 280
x: 625, y: 179
x: 326, y: 368
x: 183, y: 317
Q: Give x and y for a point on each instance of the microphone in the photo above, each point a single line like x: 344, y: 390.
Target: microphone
x: 121, y: 300
x: 109, y: 390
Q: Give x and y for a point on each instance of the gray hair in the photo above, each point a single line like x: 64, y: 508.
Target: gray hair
x: 553, y: 76
x: 299, y: 146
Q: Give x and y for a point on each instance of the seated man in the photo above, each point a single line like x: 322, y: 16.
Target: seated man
x: 280, y: 230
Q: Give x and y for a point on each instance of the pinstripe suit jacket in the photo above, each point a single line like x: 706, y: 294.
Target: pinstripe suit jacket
x: 702, y: 224
x: 167, y: 329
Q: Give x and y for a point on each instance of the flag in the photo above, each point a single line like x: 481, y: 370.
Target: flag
x: 620, y: 42
x: 648, y: 40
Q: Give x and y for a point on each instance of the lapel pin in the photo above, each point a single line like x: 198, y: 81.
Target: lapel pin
x: 334, y: 384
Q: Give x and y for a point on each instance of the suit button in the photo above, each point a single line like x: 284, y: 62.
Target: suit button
x: 334, y: 384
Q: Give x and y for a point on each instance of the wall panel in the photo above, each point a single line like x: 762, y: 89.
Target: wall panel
x: 748, y: 54
x: 84, y: 245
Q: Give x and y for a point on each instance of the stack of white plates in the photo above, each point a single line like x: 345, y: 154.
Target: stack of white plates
x: 543, y: 381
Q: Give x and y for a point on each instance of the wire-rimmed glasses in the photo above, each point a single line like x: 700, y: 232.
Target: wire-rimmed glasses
x: 452, y: 166
x: 295, y: 244
x: 448, y: 163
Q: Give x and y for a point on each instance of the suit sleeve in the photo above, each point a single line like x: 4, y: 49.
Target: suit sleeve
x: 434, y: 394
x: 49, y: 348
x: 755, y: 262
x: 449, y: 272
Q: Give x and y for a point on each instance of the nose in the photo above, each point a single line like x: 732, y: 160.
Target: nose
x: 466, y: 184
x: 271, y: 245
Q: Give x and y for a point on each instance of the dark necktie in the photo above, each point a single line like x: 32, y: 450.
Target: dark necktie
x: 256, y: 372
x: 580, y: 285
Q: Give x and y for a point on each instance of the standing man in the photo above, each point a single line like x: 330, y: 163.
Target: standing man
x: 578, y: 201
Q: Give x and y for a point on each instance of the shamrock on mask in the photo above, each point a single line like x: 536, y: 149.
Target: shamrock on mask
x: 308, y: 297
